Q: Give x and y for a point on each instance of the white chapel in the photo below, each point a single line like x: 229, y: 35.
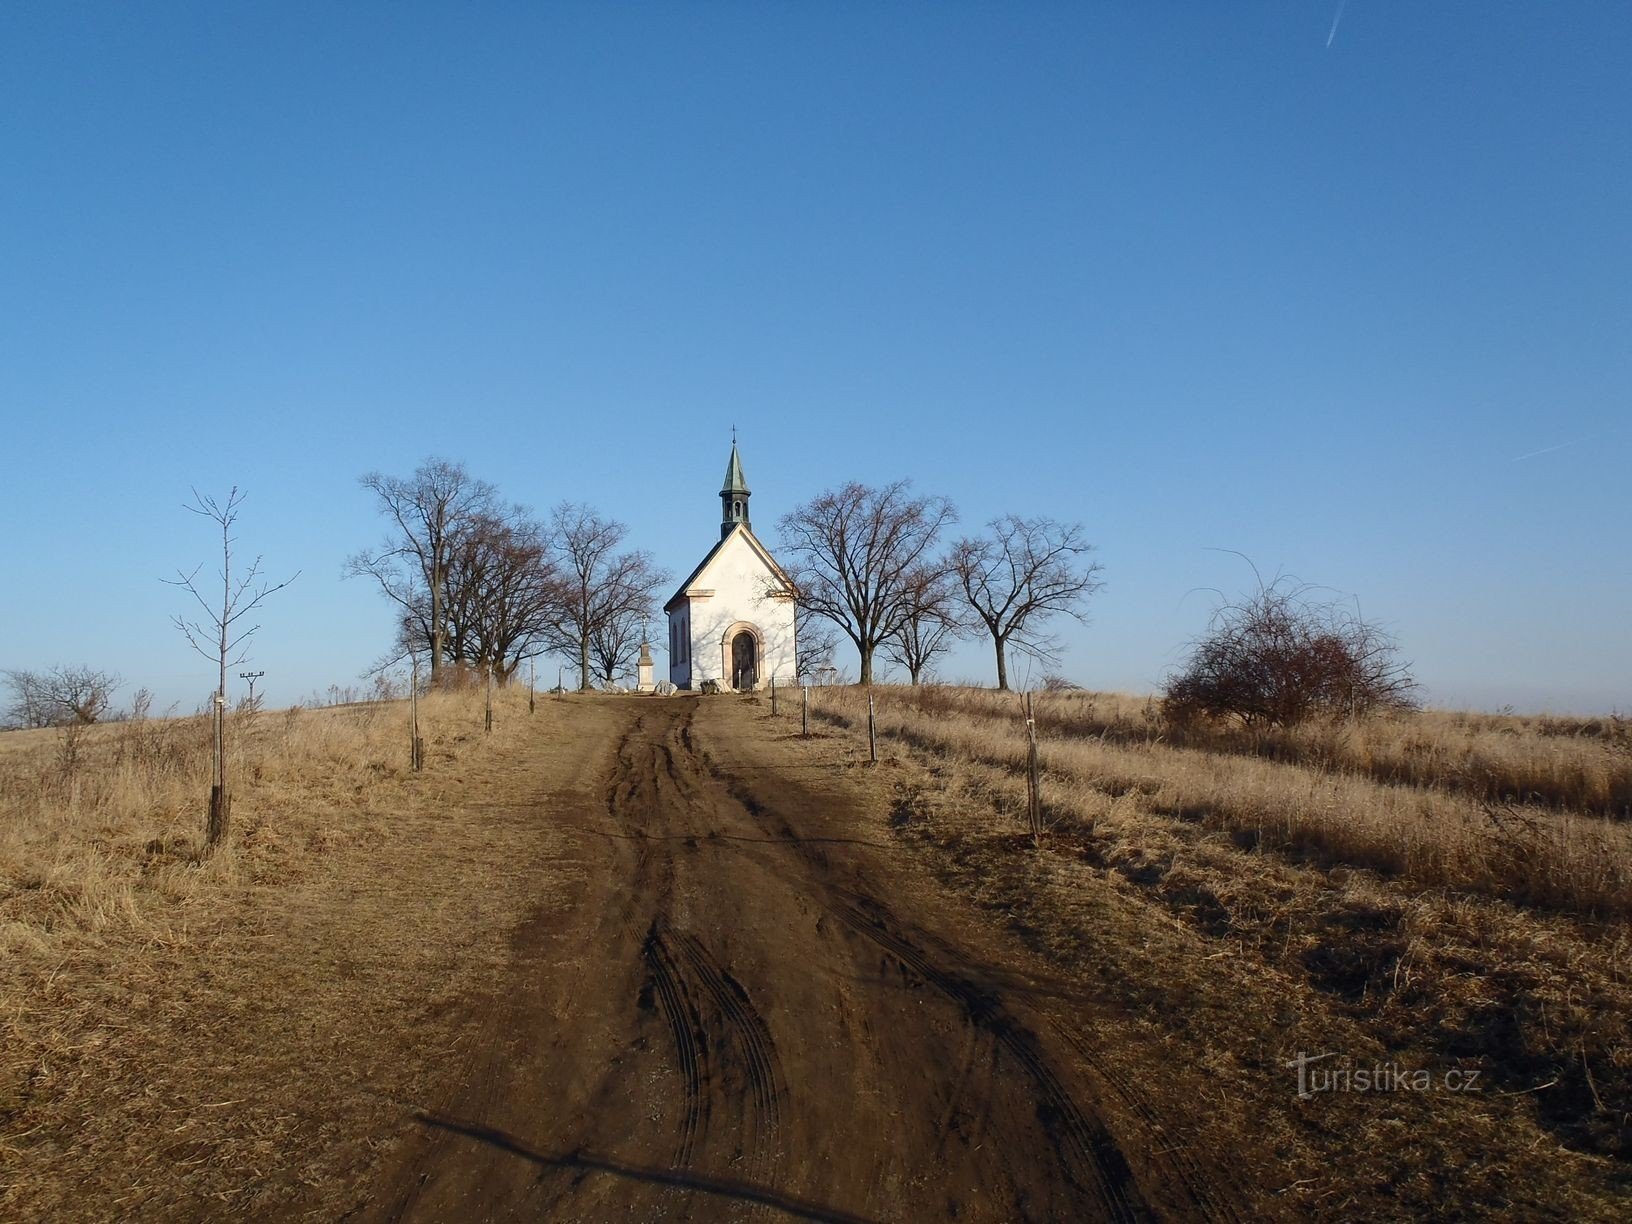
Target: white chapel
x: 732, y: 620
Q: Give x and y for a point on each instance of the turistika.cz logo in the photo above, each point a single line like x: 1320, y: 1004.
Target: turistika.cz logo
x: 1316, y: 1075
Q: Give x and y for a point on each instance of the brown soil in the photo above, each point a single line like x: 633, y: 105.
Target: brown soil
x: 746, y: 996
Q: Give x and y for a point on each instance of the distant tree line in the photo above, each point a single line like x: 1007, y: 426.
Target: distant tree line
x: 875, y: 564
x: 481, y: 583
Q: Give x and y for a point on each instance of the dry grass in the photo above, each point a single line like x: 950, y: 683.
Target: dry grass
x: 184, y: 1036
x: 1453, y: 929
x: 102, y: 826
x: 1580, y: 764
x: 1326, y: 803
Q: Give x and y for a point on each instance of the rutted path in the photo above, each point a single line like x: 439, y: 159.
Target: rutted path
x: 731, y: 1005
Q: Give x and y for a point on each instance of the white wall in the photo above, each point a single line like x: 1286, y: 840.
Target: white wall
x: 679, y: 636
x: 739, y: 581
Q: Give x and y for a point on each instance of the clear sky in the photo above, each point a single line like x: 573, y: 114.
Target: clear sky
x: 1354, y: 301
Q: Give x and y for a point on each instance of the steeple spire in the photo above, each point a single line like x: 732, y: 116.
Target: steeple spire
x: 734, y: 495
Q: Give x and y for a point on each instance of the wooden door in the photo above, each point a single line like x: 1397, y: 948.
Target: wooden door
x: 744, y: 661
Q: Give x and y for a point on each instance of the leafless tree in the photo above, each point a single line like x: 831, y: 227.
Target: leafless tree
x: 851, y: 554
x: 426, y: 512
x: 615, y: 644
x: 601, y: 584
x: 501, y: 598
x: 504, y: 591
x: 934, y: 617
x: 1021, y: 574
x: 222, y: 636
x: 59, y: 696
x: 816, y: 642
x: 1283, y: 655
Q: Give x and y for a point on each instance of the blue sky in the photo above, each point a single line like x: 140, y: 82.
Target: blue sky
x: 1183, y: 272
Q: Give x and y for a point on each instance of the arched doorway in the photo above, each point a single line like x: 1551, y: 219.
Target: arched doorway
x: 744, y: 661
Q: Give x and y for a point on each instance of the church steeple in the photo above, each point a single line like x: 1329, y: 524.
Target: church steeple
x: 734, y: 495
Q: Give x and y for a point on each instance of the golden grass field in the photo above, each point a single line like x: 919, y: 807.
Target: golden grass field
x: 100, y: 826
x: 1525, y: 809
x: 186, y: 1036
x: 1459, y: 884
x: 1438, y: 888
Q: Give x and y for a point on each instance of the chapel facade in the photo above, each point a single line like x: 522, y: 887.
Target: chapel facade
x: 732, y: 620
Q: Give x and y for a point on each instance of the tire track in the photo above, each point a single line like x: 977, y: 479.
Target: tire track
x: 632, y: 802
x: 1202, y: 1191
x: 713, y: 1024
x: 716, y: 1031
x: 1088, y: 1153
x: 1082, y: 1141
x: 752, y: 1040
x: 685, y: 1025
x: 1217, y: 1196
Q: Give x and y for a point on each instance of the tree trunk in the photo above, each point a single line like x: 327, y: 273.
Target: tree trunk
x: 914, y: 673
x: 220, y: 805
x: 583, y: 664
x: 1002, y: 665
x: 866, y: 664
x: 436, y: 600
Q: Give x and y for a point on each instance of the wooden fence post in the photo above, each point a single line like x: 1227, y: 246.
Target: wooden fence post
x: 872, y: 728
x: 416, y: 746
x: 220, y: 800
x: 489, y: 726
x: 1034, y: 790
x: 773, y: 694
x: 804, y: 711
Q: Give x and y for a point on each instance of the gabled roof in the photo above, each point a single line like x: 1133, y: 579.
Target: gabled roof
x: 760, y: 551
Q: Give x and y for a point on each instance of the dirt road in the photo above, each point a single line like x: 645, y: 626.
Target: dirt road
x: 743, y: 1000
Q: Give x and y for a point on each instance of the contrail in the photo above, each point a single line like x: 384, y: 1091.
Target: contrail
x: 1546, y: 450
x: 1335, y: 20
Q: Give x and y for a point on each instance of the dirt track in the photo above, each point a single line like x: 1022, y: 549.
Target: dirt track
x: 744, y: 1001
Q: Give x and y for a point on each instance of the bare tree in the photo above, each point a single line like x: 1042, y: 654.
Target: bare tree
x: 501, y: 598
x: 1281, y: 656
x: 30, y: 707
x: 59, y: 696
x: 426, y: 511
x: 934, y: 618
x: 221, y: 635
x: 851, y: 554
x: 504, y: 591
x: 614, y: 644
x: 600, y: 584
x: 1023, y: 573
x: 816, y: 642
